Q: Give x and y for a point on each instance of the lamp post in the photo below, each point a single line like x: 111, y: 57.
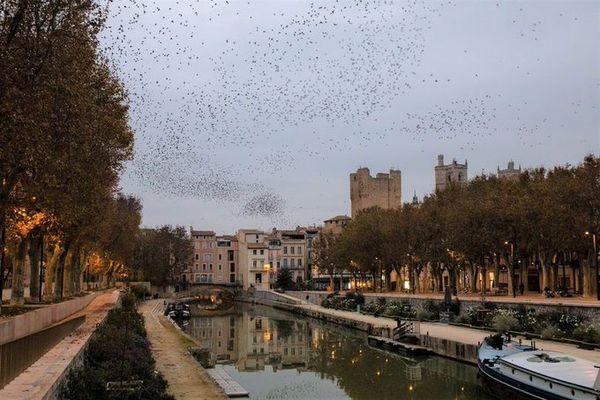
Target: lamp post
x: 512, y: 260
x: 595, y: 260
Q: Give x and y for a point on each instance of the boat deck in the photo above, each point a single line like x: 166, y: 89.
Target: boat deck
x: 558, y: 366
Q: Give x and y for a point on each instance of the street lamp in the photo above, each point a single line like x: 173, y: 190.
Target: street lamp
x: 512, y: 259
x: 595, y: 260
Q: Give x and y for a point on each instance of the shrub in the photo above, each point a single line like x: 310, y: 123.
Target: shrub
x: 589, y: 333
x: 551, y: 332
x: 423, y: 314
x: 117, y: 351
x: 503, y: 322
x: 394, y: 309
x: 140, y: 291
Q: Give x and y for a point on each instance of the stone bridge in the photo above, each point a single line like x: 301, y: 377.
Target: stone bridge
x: 209, y: 292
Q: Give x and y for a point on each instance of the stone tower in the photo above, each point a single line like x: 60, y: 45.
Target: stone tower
x: 384, y: 190
x: 446, y: 174
x: 510, y: 173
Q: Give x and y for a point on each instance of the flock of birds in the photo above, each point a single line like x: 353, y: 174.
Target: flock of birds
x: 223, y: 92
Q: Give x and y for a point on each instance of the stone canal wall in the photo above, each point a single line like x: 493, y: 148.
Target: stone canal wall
x: 586, y: 309
x: 41, y: 318
x: 449, y: 348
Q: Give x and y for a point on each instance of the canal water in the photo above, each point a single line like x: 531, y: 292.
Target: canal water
x: 278, y: 355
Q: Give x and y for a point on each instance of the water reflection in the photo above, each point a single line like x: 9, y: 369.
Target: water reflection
x: 278, y: 355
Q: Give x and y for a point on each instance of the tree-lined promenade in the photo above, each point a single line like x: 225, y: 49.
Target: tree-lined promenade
x: 488, y: 228
x: 64, y: 137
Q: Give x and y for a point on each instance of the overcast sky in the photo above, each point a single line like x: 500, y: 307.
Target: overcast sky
x: 252, y: 114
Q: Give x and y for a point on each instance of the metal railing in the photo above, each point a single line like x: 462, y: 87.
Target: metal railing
x: 18, y: 355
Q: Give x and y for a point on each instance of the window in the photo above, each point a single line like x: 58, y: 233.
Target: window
x: 230, y: 255
x: 220, y: 257
x: 292, y: 262
x: 208, y: 257
x: 203, y: 278
x: 291, y: 249
x: 231, y: 278
x: 299, y: 262
x: 284, y: 249
x: 277, y: 264
x: 299, y: 250
x: 231, y: 267
x: 210, y: 267
x: 210, y: 277
x: 197, y: 256
x: 254, y: 263
x: 203, y: 245
x: 254, y: 251
x: 285, y: 263
x: 262, y: 252
x: 203, y: 267
x: 220, y: 267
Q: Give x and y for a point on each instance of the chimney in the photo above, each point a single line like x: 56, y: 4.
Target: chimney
x: 441, y: 160
x: 511, y: 165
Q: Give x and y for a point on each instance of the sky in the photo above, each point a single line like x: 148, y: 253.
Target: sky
x: 252, y: 114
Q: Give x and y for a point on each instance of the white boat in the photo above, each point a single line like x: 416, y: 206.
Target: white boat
x: 538, y: 374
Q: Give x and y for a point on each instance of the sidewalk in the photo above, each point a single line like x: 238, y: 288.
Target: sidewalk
x: 187, y: 379
x: 456, y: 333
x: 41, y: 378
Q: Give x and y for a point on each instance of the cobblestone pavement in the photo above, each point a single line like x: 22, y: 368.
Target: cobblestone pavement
x: 42, y: 376
x: 187, y: 379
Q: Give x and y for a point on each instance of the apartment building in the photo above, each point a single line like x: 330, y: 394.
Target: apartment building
x: 214, y: 259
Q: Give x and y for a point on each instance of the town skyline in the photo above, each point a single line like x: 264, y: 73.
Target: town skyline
x: 249, y: 114
x: 408, y: 191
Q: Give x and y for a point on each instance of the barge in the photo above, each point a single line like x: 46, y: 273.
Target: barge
x: 536, y: 374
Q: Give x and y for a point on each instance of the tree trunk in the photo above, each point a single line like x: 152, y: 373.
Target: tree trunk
x: 17, y: 297
x: 34, y: 268
x: 472, y: 278
x: 73, y: 270
x: 59, y: 273
x: 50, y: 269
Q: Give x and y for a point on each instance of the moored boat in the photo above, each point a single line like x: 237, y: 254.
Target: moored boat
x: 178, y: 311
x: 537, y: 374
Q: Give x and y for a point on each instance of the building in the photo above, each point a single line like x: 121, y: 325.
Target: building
x: 214, y: 259
x: 255, y: 271
x: 450, y: 173
x: 384, y: 190
x: 336, y: 224
x: 204, y: 256
x: 293, y: 253
x: 510, y: 173
x: 226, y: 272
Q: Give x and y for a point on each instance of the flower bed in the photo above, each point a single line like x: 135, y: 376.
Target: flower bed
x: 554, y: 325
x: 119, y: 353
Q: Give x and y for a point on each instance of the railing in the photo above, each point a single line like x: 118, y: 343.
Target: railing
x: 18, y: 355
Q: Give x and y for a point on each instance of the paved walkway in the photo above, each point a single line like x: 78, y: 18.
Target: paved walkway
x: 41, y: 378
x: 456, y: 333
x: 187, y: 379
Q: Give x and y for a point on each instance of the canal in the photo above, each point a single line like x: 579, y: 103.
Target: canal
x: 278, y: 355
